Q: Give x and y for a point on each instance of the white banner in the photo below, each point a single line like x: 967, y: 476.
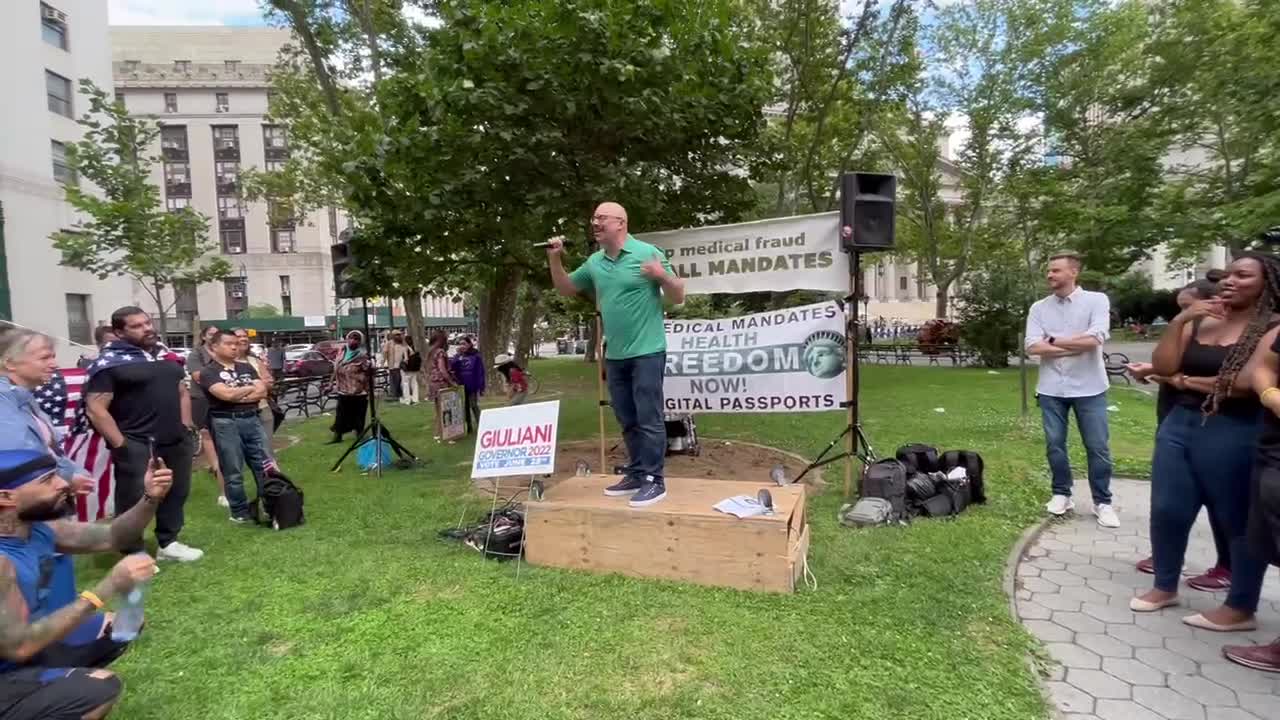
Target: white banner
x: 516, y: 440
x: 789, y: 360
x: 793, y: 253
x: 313, y: 321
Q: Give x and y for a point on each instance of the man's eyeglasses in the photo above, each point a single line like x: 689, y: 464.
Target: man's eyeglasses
x: 602, y: 218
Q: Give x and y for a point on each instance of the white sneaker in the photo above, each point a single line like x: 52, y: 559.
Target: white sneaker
x: 177, y: 551
x: 222, y: 501
x: 1060, y: 505
x: 1107, y: 516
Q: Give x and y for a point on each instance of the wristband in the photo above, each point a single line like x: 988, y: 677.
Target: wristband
x: 1267, y: 392
x: 151, y: 498
x: 93, y: 599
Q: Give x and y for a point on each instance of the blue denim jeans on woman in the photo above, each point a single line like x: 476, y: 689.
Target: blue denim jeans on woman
x: 1091, y: 417
x: 1204, y: 461
x: 239, y: 437
x: 635, y: 391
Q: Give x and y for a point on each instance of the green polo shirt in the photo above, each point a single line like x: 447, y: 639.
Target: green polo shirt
x: 630, y: 303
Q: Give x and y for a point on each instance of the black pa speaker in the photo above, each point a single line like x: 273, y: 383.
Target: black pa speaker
x: 344, y: 262
x: 867, y: 205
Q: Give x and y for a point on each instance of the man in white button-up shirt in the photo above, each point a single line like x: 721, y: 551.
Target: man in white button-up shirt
x: 1067, y: 330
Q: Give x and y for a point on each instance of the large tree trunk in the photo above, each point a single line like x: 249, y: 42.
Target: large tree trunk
x: 497, y: 306
x: 940, y: 305
x: 530, y: 308
x: 413, y: 314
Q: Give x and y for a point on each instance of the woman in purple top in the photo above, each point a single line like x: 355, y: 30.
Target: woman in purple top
x: 468, y: 368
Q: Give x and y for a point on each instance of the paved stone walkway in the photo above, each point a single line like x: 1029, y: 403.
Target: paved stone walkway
x: 1072, y: 592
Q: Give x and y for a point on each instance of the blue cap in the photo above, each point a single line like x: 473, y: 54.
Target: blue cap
x: 19, y: 467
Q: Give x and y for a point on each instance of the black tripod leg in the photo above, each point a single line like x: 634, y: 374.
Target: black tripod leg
x: 400, y: 450
x: 819, y: 461
x: 364, y: 435
x: 865, y: 451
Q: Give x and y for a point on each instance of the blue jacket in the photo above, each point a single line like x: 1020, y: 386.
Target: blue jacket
x: 19, y: 430
x: 468, y: 368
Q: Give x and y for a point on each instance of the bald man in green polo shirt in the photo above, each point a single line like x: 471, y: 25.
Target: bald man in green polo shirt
x: 629, y: 280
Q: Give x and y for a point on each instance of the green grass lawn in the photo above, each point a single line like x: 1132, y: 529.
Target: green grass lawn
x: 364, y: 613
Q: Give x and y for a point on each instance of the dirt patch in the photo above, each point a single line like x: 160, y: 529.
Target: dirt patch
x: 719, y: 460
x: 280, y: 648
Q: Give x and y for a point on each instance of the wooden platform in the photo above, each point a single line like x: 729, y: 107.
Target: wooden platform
x: 681, y: 538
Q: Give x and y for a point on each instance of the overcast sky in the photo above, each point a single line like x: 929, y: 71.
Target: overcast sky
x: 184, y: 12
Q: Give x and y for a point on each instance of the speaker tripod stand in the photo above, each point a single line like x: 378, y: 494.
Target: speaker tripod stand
x: 374, y: 429
x: 860, y: 447
x: 867, y: 223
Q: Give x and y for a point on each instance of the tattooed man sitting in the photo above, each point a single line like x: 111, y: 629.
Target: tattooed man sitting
x: 53, y: 643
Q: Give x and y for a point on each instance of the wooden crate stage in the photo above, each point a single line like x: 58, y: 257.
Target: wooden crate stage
x: 683, y: 537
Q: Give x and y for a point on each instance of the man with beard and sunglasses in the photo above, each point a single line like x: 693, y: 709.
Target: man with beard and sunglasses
x: 53, y: 643
x: 135, y: 398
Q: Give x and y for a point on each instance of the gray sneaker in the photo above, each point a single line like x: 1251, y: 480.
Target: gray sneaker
x: 652, y: 492
x: 627, y: 486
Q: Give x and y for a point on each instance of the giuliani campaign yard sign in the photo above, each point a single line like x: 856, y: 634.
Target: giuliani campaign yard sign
x: 790, y: 360
x: 517, y: 440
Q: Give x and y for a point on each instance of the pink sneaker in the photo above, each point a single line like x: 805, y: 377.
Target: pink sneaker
x: 1147, y: 566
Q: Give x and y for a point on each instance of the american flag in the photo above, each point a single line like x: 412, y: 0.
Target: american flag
x: 62, y: 400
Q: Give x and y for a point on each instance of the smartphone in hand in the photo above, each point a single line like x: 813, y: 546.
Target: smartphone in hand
x: 152, y: 461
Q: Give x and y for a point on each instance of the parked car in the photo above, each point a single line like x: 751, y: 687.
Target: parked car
x: 311, y: 364
x: 294, y: 352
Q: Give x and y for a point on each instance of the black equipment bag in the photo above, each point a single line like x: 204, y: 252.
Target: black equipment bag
x: 499, y: 536
x: 937, y: 506
x: 281, y: 502
x: 921, y: 487
x: 973, y: 467
x: 887, y: 479
x: 919, y: 458
x: 959, y: 492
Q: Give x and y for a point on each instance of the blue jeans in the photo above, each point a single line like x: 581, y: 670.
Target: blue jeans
x: 239, y: 437
x: 635, y: 391
x: 1091, y: 417
x: 1204, y: 461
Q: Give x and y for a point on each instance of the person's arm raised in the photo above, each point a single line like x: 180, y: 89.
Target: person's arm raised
x: 1167, y: 357
x: 559, y: 278
x: 72, y: 537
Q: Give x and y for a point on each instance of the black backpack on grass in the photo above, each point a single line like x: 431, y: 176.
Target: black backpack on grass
x: 887, y: 480
x: 918, y: 458
x: 973, y: 467
x: 280, y: 501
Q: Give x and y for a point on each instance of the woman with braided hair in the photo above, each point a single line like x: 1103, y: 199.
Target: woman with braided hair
x: 1264, y: 507
x: 1205, y: 446
x: 1218, y: 577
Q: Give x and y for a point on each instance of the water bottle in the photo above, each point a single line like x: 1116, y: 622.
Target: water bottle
x: 128, y: 620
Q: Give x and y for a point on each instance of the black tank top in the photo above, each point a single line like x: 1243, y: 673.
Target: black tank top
x: 1200, y: 360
